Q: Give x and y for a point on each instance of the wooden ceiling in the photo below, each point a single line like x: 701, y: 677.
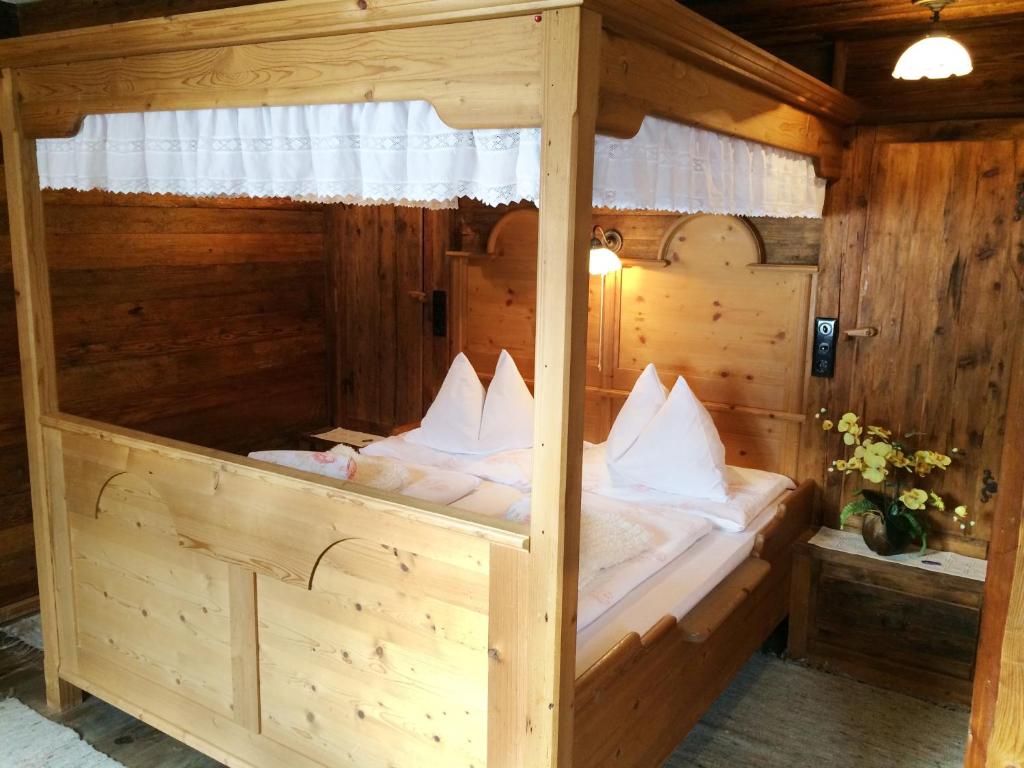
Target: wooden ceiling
x: 854, y: 45
x: 774, y: 21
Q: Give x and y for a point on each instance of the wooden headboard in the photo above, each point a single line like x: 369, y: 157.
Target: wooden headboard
x: 707, y: 308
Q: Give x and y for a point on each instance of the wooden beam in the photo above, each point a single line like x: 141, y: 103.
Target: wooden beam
x: 478, y: 74
x: 571, y: 51
x: 995, y: 739
x: 696, y: 40
x: 38, y: 366
x: 635, y: 78
x: 269, y: 22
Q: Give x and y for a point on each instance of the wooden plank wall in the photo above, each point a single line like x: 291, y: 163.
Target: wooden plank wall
x: 921, y: 243
x: 197, y: 320
x: 385, y: 261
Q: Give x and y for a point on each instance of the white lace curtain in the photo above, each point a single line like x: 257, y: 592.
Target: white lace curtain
x: 402, y: 153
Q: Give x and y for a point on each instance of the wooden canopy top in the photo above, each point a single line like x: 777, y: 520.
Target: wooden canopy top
x: 662, y: 23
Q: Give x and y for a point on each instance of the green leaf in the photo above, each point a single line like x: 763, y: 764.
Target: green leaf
x: 858, y: 507
x: 875, y: 497
x: 898, y: 531
x: 915, y: 525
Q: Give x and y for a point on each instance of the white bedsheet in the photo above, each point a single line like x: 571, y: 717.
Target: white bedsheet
x: 672, y: 588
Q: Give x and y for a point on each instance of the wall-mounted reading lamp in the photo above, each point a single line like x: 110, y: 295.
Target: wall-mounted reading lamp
x: 936, y: 55
x: 604, y: 259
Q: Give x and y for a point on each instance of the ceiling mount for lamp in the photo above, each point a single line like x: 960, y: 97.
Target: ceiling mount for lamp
x: 936, y: 55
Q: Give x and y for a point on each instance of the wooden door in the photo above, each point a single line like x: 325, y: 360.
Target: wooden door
x: 384, y: 264
x: 940, y: 279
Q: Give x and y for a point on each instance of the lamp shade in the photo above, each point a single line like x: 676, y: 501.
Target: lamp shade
x: 603, y: 260
x: 935, y: 57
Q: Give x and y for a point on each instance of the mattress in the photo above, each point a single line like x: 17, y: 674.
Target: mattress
x: 674, y: 589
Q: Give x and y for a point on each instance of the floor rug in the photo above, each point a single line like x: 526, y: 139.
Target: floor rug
x: 29, y: 740
x: 28, y: 630
x: 778, y: 714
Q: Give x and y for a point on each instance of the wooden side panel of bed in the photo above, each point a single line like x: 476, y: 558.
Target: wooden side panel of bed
x: 736, y: 328
x: 668, y: 678
x: 362, y: 638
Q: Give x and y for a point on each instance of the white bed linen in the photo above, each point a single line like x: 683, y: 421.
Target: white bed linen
x: 514, y: 468
x: 747, y: 492
x: 669, y: 589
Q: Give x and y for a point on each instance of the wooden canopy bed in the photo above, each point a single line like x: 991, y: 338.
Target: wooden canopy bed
x: 284, y: 619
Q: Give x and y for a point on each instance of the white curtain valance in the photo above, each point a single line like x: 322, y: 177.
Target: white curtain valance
x: 402, y: 153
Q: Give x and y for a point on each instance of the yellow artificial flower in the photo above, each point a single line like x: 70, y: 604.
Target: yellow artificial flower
x: 875, y: 474
x: 937, y: 501
x: 852, y: 436
x: 961, y: 512
x: 899, y: 459
x: 873, y: 457
x: 922, y: 465
x: 855, y: 464
x: 840, y: 464
x: 915, y: 498
x: 827, y: 425
x: 848, y: 420
x: 881, y: 432
x: 938, y: 460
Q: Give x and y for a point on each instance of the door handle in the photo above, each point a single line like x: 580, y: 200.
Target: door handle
x: 861, y: 333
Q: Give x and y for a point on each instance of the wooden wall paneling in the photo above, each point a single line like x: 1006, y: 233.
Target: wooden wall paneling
x: 737, y: 333
x: 156, y: 297
x: 572, y: 44
x: 380, y: 258
x: 18, y: 585
x: 998, y: 703
x: 951, y: 262
x: 838, y: 291
x: 438, y: 237
x: 38, y: 362
x: 497, y: 292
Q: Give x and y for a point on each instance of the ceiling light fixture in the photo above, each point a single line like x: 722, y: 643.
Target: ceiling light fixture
x: 936, y: 55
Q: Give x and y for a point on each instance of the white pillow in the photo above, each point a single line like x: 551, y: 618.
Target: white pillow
x: 644, y: 402
x: 462, y: 419
x: 452, y: 423
x: 679, y: 451
x: 507, y: 420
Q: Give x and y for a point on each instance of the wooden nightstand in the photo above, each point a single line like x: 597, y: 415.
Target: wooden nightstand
x: 328, y: 437
x: 884, y: 622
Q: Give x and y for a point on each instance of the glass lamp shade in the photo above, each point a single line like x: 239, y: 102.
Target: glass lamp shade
x: 603, y: 260
x: 935, y: 57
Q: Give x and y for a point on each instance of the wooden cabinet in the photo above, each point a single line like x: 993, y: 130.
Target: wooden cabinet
x: 887, y: 624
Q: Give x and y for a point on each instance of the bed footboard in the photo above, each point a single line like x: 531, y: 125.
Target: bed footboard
x: 638, y: 702
x: 269, y: 619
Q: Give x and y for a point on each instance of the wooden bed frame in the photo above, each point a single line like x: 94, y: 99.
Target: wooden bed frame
x: 273, y: 618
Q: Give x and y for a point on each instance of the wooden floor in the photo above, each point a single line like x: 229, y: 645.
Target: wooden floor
x: 816, y: 719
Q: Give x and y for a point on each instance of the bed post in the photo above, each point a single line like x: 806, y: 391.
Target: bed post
x: 571, y: 53
x: 38, y: 365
